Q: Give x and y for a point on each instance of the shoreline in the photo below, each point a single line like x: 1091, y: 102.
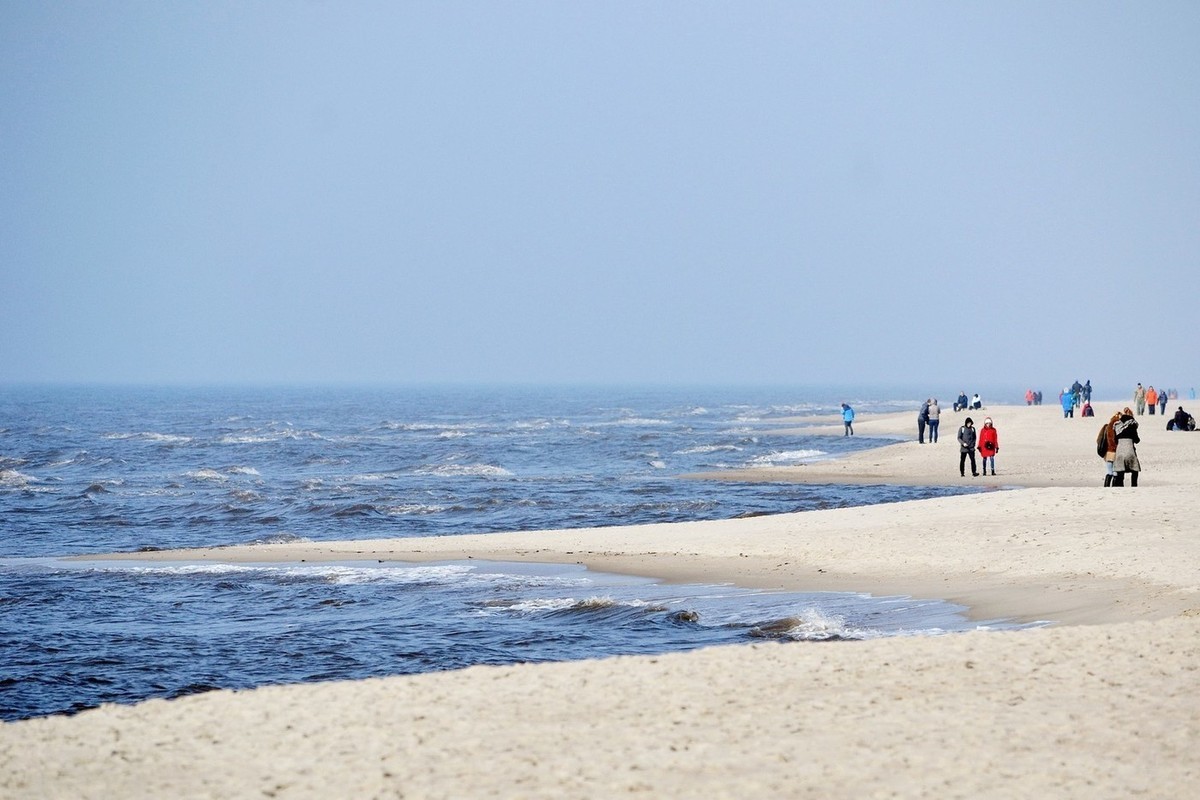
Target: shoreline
x: 1104, y: 703
x: 910, y: 548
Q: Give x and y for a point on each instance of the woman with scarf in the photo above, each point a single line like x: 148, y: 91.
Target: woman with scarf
x: 1125, y: 458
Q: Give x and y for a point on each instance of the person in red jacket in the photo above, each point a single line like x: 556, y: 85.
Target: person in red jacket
x: 989, y: 444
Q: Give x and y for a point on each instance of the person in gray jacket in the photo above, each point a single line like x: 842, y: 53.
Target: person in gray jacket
x: 966, y: 447
x: 934, y: 414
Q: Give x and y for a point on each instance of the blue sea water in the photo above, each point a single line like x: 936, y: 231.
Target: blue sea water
x: 96, y: 470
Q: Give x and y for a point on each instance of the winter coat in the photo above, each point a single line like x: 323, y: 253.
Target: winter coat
x: 1126, y: 431
x: 966, y: 438
x: 989, y: 441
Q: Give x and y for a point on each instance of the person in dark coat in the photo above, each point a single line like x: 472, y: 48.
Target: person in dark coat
x: 1126, y: 431
x: 966, y: 447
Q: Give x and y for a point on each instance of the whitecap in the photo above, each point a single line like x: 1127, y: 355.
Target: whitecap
x: 412, y: 508
x: 786, y: 457
x: 11, y: 477
x: 206, y: 475
x: 707, y: 448
x: 466, y: 470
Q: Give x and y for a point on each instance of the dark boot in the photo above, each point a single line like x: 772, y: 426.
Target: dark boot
x: 1119, y: 479
x: 1107, y: 481
x: 1133, y: 479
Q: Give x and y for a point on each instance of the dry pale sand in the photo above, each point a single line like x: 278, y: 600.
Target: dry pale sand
x: 1102, y: 704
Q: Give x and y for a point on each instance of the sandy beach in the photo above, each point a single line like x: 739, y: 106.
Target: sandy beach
x: 1102, y: 702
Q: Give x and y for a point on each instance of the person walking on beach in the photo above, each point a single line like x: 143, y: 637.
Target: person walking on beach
x: 989, y: 444
x: 1151, y: 399
x: 1087, y: 391
x: 1068, y: 402
x: 1162, y: 402
x: 922, y: 421
x: 1106, y: 446
x: 1125, y: 459
x: 1139, y: 399
x: 966, y: 447
x: 935, y: 414
x: 848, y: 419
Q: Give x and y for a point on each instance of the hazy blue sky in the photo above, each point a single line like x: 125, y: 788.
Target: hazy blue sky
x: 834, y: 192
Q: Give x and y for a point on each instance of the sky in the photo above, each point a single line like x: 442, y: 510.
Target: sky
x: 961, y: 193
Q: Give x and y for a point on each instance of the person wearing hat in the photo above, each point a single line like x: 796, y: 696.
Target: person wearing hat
x: 989, y: 444
x: 966, y: 447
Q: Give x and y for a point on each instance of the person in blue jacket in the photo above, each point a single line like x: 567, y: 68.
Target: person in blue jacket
x: 848, y: 419
x: 1068, y: 402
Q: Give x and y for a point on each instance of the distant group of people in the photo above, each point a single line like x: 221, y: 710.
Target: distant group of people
x: 962, y: 403
x: 1077, y: 395
x: 1148, y: 398
x: 1116, y: 443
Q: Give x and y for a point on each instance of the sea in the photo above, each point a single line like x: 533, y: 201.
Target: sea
x: 98, y: 469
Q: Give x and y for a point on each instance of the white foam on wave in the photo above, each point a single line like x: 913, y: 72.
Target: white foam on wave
x: 328, y: 573
x: 786, y: 457
x: 405, y: 509
x: 549, y: 605
x: 150, y: 436
x: 466, y: 471
x: 243, y: 471
x: 15, y: 479
x: 708, y: 448
x: 206, y: 475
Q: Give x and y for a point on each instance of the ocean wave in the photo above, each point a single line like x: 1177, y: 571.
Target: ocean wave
x: 324, y: 573
x: 708, y: 448
x: 568, y: 605
x: 785, y: 457
x: 206, y: 475
x: 149, y: 436
x: 465, y: 470
x: 811, y: 625
x: 13, y: 479
x: 243, y: 471
x: 412, y: 508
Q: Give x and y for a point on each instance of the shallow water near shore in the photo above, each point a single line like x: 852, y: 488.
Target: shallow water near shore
x: 103, y: 470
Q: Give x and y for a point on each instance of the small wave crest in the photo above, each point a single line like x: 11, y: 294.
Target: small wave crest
x: 11, y: 478
x: 784, y: 457
x: 466, y: 471
x: 149, y: 436
x: 811, y: 625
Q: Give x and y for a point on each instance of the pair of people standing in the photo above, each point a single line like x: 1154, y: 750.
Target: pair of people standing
x: 1121, y: 437
x: 987, y: 439
x: 930, y: 416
